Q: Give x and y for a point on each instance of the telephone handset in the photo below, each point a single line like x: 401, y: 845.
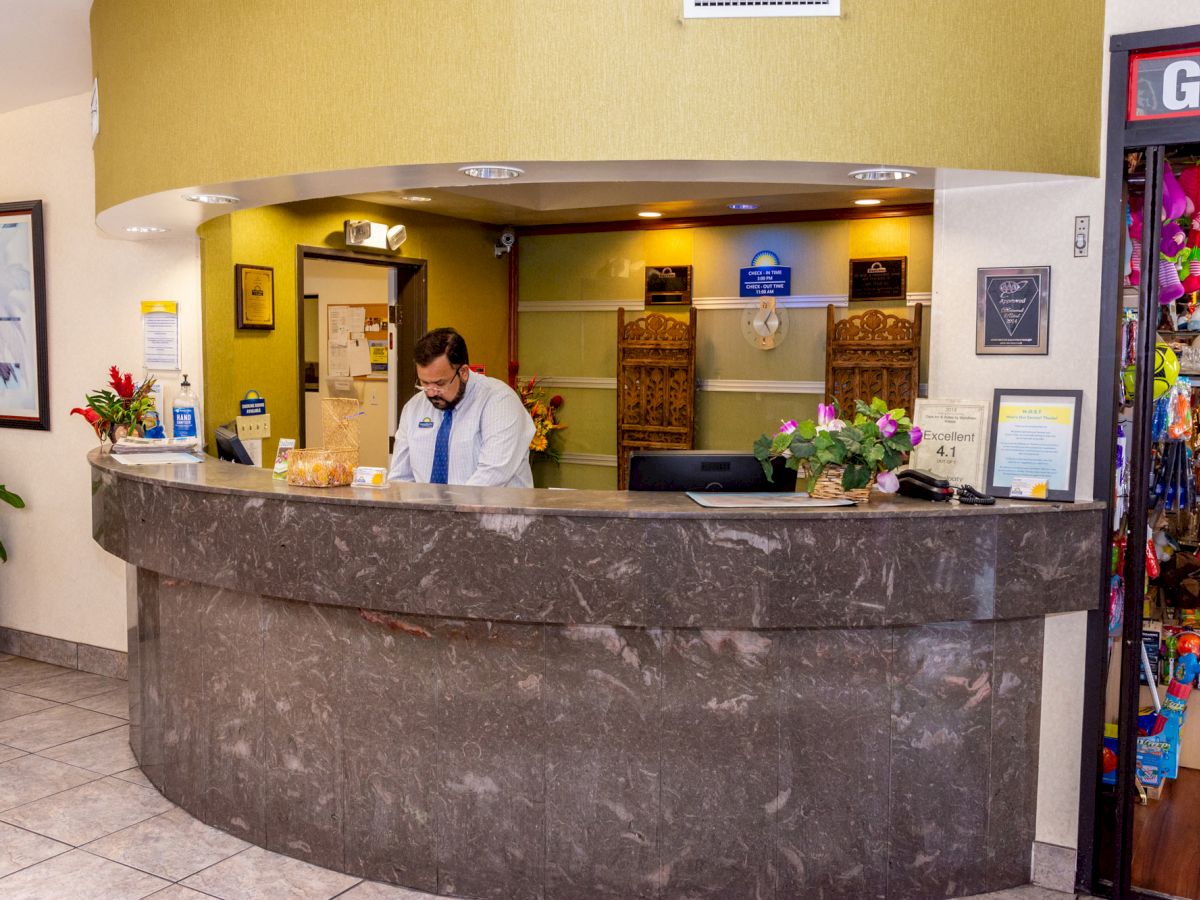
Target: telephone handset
x: 924, y: 485
x: 927, y: 486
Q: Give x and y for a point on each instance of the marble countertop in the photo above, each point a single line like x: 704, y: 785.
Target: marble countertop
x: 215, y: 475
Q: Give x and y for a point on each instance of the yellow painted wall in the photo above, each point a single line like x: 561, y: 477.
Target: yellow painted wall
x: 611, y: 266
x: 467, y: 289
x: 227, y: 90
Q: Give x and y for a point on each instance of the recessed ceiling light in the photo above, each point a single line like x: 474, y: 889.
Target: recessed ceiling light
x: 648, y: 214
x: 212, y: 198
x: 492, y: 172
x: 414, y: 198
x: 882, y: 173
x: 743, y: 206
x: 868, y: 201
x: 144, y: 229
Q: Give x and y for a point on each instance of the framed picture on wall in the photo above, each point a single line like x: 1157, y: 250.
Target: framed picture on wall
x: 255, y: 290
x: 24, y: 370
x: 1012, y: 311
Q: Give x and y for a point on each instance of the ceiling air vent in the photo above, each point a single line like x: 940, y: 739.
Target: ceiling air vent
x: 728, y: 9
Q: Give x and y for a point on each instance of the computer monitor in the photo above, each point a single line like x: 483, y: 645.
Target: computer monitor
x: 230, y: 447
x: 706, y: 470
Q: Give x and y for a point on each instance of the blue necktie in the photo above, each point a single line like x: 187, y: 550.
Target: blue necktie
x: 441, y: 450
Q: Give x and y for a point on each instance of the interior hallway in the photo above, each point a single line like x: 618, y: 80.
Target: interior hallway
x: 79, y: 820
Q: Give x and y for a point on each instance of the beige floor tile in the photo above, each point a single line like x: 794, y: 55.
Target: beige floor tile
x: 135, y: 776
x: 13, y: 704
x: 373, y: 890
x: 20, y: 848
x: 7, y: 753
x: 52, y: 727
x: 18, y: 671
x: 107, y: 752
x: 113, y: 703
x: 79, y: 876
x: 260, y: 873
x: 179, y: 892
x: 89, y: 811
x: 68, y: 687
x: 173, y: 845
x: 31, y: 778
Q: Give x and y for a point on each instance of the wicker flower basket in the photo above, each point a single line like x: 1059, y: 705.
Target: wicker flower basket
x: 829, y: 486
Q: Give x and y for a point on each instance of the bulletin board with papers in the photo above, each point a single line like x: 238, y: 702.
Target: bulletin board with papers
x: 355, y: 334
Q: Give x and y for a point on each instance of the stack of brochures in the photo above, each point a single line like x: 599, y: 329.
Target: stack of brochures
x: 133, y: 444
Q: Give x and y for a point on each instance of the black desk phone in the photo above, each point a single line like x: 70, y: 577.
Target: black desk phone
x: 927, y: 486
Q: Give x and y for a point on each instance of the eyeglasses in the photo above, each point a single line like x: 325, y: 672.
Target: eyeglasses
x: 438, y: 387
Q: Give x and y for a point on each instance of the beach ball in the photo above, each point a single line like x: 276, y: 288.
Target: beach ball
x: 1166, y: 370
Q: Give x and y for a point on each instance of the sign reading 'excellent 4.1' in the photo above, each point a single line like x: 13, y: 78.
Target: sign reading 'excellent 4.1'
x: 1164, y: 84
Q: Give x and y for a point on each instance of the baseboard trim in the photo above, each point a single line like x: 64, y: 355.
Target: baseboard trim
x: 1053, y: 867
x: 68, y: 654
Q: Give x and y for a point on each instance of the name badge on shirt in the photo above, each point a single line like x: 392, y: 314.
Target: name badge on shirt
x: 425, y: 423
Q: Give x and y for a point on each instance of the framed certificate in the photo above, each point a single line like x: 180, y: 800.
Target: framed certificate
x: 255, y: 287
x: 1034, y: 444
x: 953, y: 439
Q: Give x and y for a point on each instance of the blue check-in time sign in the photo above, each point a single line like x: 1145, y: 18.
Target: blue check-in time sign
x: 766, y: 277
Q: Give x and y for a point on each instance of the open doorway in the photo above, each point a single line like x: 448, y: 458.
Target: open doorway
x: 385, y: 299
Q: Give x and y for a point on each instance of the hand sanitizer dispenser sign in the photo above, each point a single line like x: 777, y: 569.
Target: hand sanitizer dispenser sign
x: 184, y: 412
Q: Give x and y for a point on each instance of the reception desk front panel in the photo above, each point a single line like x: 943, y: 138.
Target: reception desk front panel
x: 509, y: 693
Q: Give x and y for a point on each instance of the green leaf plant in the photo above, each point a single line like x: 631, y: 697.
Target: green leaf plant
x: 876, y: 440
x: 15, y: 502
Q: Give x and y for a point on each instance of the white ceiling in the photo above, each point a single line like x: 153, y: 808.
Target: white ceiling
x: 45, y: 51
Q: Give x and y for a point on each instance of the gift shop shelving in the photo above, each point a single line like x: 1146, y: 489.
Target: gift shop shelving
x: 1141, y: 751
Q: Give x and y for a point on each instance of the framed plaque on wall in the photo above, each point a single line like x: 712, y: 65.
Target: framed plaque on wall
x: 1012, y: 309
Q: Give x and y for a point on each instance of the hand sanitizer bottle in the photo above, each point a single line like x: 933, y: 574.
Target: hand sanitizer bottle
x: 186, y: 413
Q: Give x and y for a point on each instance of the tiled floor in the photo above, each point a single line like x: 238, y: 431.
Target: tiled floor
x: 78, y: 819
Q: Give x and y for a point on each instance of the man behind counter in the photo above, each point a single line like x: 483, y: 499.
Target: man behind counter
x: 463, y: 428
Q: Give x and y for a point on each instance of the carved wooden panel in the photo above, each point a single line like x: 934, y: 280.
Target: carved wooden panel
x: 872, y: 354
x: 656, y: 386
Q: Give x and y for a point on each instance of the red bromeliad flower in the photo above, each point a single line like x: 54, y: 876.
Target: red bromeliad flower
x: 93, y: 418
x: 556, y: 401
x: 122, y: 384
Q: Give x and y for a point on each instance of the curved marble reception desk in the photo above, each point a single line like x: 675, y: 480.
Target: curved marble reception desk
x: 574, y: 694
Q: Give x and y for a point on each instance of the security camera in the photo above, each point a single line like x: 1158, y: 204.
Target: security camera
x: 505, y: 243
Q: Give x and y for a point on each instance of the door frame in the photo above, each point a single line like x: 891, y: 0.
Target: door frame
x: 409, y: 311
x: 1121, y: 136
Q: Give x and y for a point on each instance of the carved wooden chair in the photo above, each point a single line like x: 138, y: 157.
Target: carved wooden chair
x: 872, y: 354
x: 656, y: 386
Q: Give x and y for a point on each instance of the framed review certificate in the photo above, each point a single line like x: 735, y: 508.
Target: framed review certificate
x: 954, y: 439
x: 255, y: 291
x: 1034, y: 443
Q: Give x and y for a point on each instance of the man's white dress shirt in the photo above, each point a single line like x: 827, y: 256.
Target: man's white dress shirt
x: 489, y: 438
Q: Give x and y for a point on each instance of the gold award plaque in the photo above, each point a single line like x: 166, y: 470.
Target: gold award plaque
x: 255, y: 297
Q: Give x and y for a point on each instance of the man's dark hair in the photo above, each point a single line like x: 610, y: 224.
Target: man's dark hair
x: 441, y: 342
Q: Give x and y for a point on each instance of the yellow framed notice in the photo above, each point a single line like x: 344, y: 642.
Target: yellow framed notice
x: 255, y: 289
